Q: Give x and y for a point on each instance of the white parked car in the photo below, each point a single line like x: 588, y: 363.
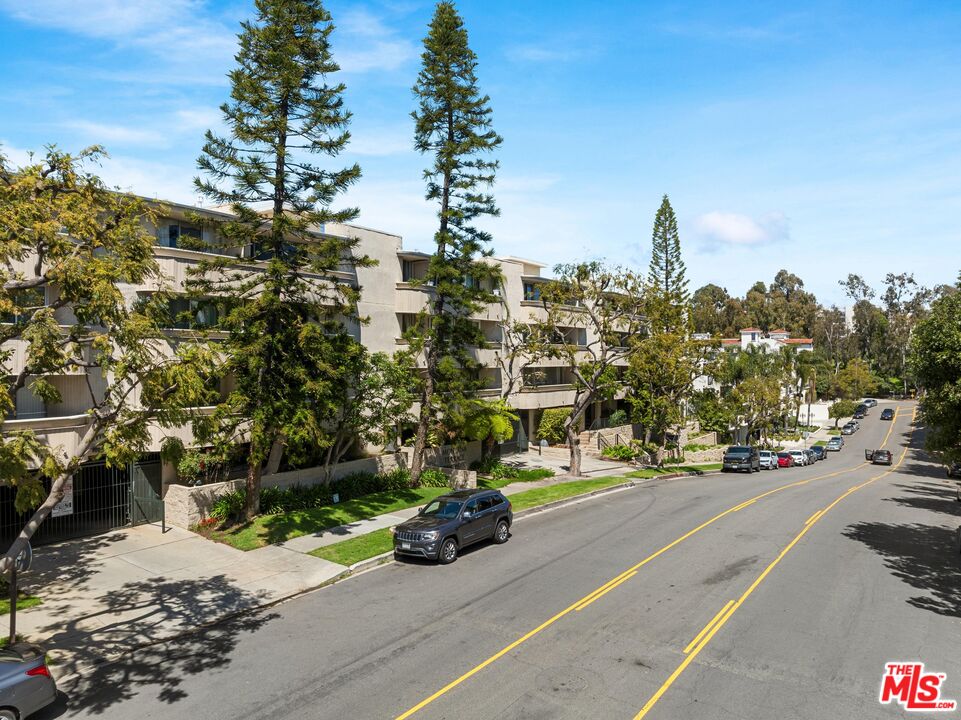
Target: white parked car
x: 800, y: 457
x: 768, y: 460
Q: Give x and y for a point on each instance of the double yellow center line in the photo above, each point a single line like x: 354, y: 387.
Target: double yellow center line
x: 718, y: 621
x: 615, y: 582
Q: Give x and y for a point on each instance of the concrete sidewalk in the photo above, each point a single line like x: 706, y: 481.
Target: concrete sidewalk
x: 106, y: 594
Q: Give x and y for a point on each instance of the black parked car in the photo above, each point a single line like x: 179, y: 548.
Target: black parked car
x: 451, y: 522
x: 887, y: 414
x: 820, y: 451
x: 860, y: 412
x: 741, y: 457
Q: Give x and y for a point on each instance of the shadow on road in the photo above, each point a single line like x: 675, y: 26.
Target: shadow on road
x: 923, y: 556
x: 142, y: 613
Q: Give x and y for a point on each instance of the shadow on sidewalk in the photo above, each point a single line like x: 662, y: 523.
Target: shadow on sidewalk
x: 147, y: 613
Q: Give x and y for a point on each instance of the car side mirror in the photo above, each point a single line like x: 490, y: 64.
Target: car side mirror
x: 467, y: 515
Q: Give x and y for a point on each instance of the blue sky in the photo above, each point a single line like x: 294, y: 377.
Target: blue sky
x: 825, y: 139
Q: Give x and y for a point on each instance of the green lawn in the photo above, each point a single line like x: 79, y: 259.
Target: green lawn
x: 833, y: 431
x: 348, y: 552
x: 821, y: 442
x: 270, y: 529
x: 544, y: 495
x: 647, y: 473
x: 23, y: 602
x: 525, y: 475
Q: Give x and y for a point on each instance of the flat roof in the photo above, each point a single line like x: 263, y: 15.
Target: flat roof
x: 512, y: 258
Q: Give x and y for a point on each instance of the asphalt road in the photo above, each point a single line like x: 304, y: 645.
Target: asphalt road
x: 809, y: 608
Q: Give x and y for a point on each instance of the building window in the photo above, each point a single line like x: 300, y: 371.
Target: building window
x: 176, y: 231
x: 532, y: 291
x: 407, y: 270
x: 187, y: 314
x: 26, y: 302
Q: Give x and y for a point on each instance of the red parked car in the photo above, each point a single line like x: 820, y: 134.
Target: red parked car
x: 784, y: 459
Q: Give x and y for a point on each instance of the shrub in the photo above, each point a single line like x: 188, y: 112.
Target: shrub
x: 229, y: 505
x: 432, y: 477
x: 618, y: 452
x: 551, y: 426
x: 528, y: 474
x: 618, y: 417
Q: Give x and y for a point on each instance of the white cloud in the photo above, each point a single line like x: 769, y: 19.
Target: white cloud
x: 734, y: 229
x: 115, y: 134
x: 363, y: 42
x: 544, y: 53
x: 381, y: 141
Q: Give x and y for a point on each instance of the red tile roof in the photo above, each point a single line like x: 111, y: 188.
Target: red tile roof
x: 744, y: 330
x: 730, y: 341
x: 799, y: 341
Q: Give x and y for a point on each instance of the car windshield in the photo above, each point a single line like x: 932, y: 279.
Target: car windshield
x: 739, y: 449
x: 784, y: 455
x: 442, y: 508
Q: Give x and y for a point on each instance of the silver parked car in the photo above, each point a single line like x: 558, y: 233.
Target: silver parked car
x: 26, y: 685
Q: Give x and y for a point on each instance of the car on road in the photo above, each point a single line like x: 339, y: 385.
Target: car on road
x: 768, y: 459
x: 860, y: 412
x: 887, y: 414
x: 26, y: 684
x: 451, y: 522
x: 879, y: 457
x: 954, y: 469
x: 741, y: 457
x: 849, y: 428
x: 835, y: 444
x: 869, y: 402
x: 800, y: 457
x: 812, y: 458
x: 820, y: 452
x: 785, y: 459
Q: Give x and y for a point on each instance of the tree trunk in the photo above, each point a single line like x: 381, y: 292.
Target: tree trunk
x: 252, y: 509
x: 276, y: 455
x: 420, y: 438
x: 574, y: 442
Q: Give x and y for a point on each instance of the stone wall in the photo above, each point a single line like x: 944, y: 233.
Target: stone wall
x: 704, y: 456
x: 185, y: 506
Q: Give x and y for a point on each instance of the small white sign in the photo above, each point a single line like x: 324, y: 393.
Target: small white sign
x: 65, y: 506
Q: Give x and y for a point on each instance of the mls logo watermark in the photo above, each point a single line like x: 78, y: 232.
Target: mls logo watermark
x: 915, y: 690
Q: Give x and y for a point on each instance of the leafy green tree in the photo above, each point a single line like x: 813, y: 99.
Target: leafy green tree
x: 491, y: 422
x: 284, y: 298
x: 69, y: 247
x: 712, y: 413
x: 856, y: 380
x: 452, y: 126
x: 660, y: 378
x: 609, y: 303
x: 667, y: 274
x: 757, y: 404
x: 551, y: 425
x: 841, y: 409
x: 936, y: 362
x: 370, y: 398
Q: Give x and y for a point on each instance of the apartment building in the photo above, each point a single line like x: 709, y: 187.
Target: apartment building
x: 752, y: 337
x: 389, y: 301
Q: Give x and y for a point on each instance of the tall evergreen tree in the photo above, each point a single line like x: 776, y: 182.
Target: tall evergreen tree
x: 667, y: 273
x: 281, y: 298
x: 453, y: 126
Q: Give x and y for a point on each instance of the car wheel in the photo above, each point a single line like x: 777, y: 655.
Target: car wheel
x: 501, y: 532
x: 448, y: 552
x: 7, y: 715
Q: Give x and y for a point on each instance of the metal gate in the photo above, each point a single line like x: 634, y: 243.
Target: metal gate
x: 146, y: 506
x: 103, y: 499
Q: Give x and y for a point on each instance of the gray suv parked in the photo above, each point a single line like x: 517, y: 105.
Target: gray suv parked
x: 451, y: 522
x: 741, y: 457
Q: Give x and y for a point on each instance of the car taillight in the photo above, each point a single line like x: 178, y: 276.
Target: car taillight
x: 37, y: 671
